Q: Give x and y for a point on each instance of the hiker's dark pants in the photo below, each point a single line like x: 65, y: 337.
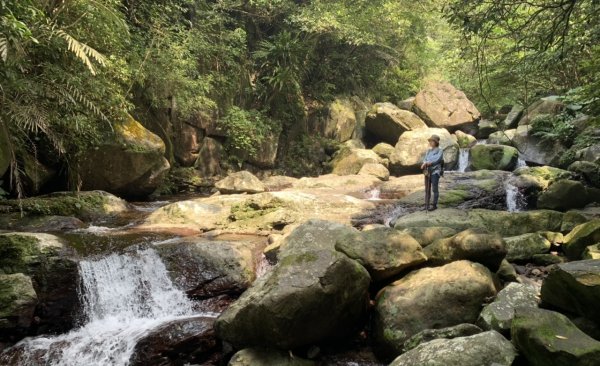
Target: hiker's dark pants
x: 435, y: 182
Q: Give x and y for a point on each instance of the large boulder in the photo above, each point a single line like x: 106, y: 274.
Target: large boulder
x: 384, y: 252
x: 267, y: 357
x: 349, y: 161
x: 564, y: 195
x: 513, y: 117
x: 428, y: 235
x: 524, y: 247
x: 411, y: 148
x: 590, y: 172
x: 487, y: 348
x: 183, y: 341
x: 384, y: 150
x: 545, y: 106
x: 485, y: 128
x: 536, y: 151
x: 240, y: 182
x: 580, y: 237
x: 501, y: 222
x: 292, y: 305
x: 430, y: 298
x: 206, y: 268
x: 337, y: 121
x: 548, y: 338
x: 208, y: 162
x: 427, y: 335
x: 186, y: 144
x: 574, y: 287
x: 500, y: 313
x: 375, y: 170
x: 494, y: 157
x: 442, y: 105
x: 129, y: 163
x: 42, y: 263
x: 465, y: 140
x: 386, y: 122
x: 476, y: 245
x: 505, y: 137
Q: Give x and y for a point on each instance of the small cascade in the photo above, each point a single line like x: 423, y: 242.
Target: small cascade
x: 521, y: 162
x: 463, y: 159
x: 374, y: 194
x: 263, y: 266
x: 515, y: 201
x: 124, y: 297
x: 482, y: 142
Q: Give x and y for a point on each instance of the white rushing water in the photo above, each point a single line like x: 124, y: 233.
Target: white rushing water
x: 521, y: 162
x: 463, y: 159
x: 123, y: 297
x: 514, y: 198
x: 374, y: 194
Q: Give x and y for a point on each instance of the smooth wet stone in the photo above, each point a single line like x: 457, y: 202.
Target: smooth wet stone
x: 574, y: 287
x: 548, y: 338
x: 427, y: 235
x: 500, y: 313
x: 487, y: 348
x: 384, y: 252
x: 430, y: 298
x: 267, y: 357
x: 427, y: 335
x: 580, y: 237
x: 524, y: 247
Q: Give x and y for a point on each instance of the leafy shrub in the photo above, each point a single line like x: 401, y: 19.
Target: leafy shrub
x: 554, y: 128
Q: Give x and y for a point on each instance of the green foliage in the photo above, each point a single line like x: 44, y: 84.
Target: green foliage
x: 554, y: 128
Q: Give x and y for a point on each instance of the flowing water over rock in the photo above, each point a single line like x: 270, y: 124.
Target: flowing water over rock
x: 123, y: 297
x: 515, y: 201
x: 463, y: 159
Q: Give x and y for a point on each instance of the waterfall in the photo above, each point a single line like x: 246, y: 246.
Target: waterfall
x: 374, y: 194
x: 521, y: 162
x: 123, y: 298
x: 463, y: 159
x: 514, y: 198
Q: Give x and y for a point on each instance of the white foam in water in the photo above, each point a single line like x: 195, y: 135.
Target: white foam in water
x: 123, y: 298
x: 521, y: 162
x: 374, y: 194
x: 514, y: 198
x: 463, y: 159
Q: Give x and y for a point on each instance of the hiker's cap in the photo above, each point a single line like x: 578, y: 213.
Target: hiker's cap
x: 435, y: 138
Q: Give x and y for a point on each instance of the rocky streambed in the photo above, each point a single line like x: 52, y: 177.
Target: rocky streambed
x: 330, y: 270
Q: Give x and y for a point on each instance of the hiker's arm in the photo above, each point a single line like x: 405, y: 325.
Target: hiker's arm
x: 434, y: 158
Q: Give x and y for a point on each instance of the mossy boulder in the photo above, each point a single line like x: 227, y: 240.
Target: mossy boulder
x: 206, y: 268
x: 412, y: 146
x: 384, y: 252
x: 574, y: 287
x: 240, y: 182
x: 86, y: 206
x: 465, y: 140
x: 476, y: 245
x: 501, y: 222
x: 487, y: 348
x: 441, y: 105
x: 548, y: 338
x: 580, y: 237
x: 535, y: 150
x: 386, y: 122
x: 267, y: 357
x: 292, y: 305
x: 485, y: 128
x: 494, y: 157
x: 524, y: 247
x: 349, y: 161
x: 564, y: 195
x: 429, y: 298
x: 546, y: 106
x: 384, y: 150
x: 500, y: 313
x: 455, y: 331
x: 512, y: 118
x: 502, y: 137
x: 18, y: 301
x: 428, y: 235
x: 591, y: 252
x: 589, y: 171
x: 36, y: 223
x: 337, y: 120
x: 130, y: 162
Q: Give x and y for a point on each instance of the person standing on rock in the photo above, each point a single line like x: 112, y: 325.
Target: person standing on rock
x: 433, y: 169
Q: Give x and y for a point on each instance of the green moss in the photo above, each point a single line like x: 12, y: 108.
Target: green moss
x: 16, y: 251
x: 251, y: 209
x: 454, y: 197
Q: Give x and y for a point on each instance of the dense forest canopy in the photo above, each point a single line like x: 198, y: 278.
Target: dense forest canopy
x: 71, y: 69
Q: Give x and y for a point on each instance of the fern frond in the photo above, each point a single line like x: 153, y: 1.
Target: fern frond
x: 3, y: 49
x: 77, y: 97
x: 82, y: 51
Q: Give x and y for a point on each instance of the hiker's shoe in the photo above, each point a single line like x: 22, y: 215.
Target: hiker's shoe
x: 433, y: 208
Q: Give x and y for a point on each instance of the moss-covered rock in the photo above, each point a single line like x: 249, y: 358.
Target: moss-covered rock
x: 591, y: 252
x: 267, y: 357
x: 429, y: 298
x: 17, y: 302
x: 86, y: 206
x: 455, y: 331
x: 476, y: 245
x: 501, y: 222
x: 292, y: 305
x: 487, y: 348
x: 36, y: 223
x: 465, y: 140
x: 314, y: 235
x: 548, y: 338
x: 524, y: 247
x: 485, y: 128
x: 512, y: 118
x: 545, y: 106
x: 130, y: 163
x: 505, y: 137
x: 580, y: 237
x: 494, y: 157
x: 386, y: 122
x: 574, y: 287
x: 500, y: 313
x: 428, y: 235
x: 564, y: 195
x: 384, y: 252
x: 589, y: 171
